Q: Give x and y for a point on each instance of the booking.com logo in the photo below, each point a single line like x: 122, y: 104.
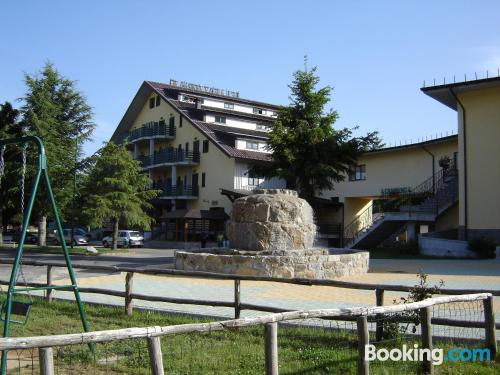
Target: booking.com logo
x: 436, y: 356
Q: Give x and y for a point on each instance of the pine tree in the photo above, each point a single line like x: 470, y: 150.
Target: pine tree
x: 117, y: 191
x: 308, y: 152
x: 57, y: 112
x: 9, y: 188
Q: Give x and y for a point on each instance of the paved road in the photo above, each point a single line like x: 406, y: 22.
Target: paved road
x: 464, y: 274
x: 140, y: 258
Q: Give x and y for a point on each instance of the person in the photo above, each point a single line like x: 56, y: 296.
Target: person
x: 225, y: 241
x: 204, y: 237
x: 220, y: 239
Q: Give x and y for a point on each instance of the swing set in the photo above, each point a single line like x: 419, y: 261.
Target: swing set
x: 17, y: 307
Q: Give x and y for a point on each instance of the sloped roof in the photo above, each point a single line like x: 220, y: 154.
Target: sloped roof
x: 209, y: 130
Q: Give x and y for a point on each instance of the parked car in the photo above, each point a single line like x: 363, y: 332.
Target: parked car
x: 125, y: 238
x: 79, y: 237
x: 14, y: 236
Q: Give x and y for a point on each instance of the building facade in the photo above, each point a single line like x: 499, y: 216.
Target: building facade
x: 194, y: 142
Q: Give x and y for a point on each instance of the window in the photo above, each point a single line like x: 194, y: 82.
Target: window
x: 220, y: 119
x: 203, y: 179
x: 252, y: 145
x: 358, y: 173
x: 171, y: 121
x: 205, y: 146
x: 262, y: 127
x: 229, y: 105
x: 151, y: 102
x: 259, y: 111
x: 253, y: 180
x: 157, y: 100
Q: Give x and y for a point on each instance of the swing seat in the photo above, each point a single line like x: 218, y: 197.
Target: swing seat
x: 21, y: 309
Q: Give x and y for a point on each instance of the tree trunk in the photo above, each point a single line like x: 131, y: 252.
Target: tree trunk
x: 42, y: 231
x: 1, y: 228
x: 115, y: 234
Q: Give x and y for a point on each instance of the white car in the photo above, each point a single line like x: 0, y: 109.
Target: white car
x: 126, y: 238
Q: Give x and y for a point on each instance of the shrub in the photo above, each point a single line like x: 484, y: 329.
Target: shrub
x: 484, y: 247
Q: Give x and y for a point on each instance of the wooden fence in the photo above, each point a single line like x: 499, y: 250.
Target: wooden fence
x: 129, y: 296
x: 359, y: 314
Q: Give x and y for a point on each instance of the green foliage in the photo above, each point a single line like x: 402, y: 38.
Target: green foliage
x: 9, y: 198
x: 57, y: 112
x: 116, y: 190
x: 307, y: 151
x: 396, y: 325
x: 484, y: 247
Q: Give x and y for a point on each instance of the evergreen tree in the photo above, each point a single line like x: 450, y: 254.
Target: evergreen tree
x: 58, y: 113
x: 117, y: 191
x: 9, y: 181
x: 308, y: 152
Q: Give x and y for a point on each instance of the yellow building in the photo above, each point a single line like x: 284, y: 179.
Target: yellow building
x: 195, y: 141
x: 477, y: 104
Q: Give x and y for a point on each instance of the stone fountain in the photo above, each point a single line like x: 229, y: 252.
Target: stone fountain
x: 271, y: 233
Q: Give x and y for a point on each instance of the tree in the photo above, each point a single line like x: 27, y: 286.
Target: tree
x: 117, y: 191
x: 308, y: 152
x: 58, y: 113
x: 9, y: 181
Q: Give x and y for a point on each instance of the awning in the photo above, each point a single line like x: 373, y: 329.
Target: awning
x: 196, y: 214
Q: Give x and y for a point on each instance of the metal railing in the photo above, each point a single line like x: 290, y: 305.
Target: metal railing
x: 152, y: 129
x: 177, y: 191
x: 170, y: 156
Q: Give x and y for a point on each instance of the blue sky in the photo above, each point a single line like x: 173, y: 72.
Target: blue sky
x: 376, y: 54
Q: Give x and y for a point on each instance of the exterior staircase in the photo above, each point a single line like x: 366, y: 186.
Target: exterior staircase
x: 424, y: 203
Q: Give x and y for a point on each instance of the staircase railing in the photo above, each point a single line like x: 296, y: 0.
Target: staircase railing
x: 434, y: 194
x: 360, y: 223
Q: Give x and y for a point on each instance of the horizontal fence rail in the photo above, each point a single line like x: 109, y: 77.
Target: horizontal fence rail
x: 361, y: 333
x: 10, y: 343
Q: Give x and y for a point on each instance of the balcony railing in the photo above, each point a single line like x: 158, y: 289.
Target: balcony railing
x: 178, y: 191
x: 152, y: 129
x: 149, y: 130
x: 170, y: 156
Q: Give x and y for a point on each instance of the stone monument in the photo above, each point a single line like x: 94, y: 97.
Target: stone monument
x: 271, y: 233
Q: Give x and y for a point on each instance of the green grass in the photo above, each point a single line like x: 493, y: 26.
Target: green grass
x: 57, y: 249
x: 302, y: 350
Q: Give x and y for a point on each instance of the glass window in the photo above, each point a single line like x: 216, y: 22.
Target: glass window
x: 262, y: 127
x: 157, y: 100
x: 259, y: 111
x: 151, y: 102
x: 203, y: 179
x: 229, y: 105
x: 252, y: 145
x: 205, y: 146
x: 220, y: 119
x: 358, y: 173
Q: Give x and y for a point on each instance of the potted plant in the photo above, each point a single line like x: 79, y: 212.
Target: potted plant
x: 444, y: 162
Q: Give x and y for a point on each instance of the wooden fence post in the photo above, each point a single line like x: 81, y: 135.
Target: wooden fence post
x: 271, y: 348
x: 237, y: 299
x: 155, y: 356
x: 46, y: 361
x: 426, y: 326
x: 363, y: 340
x: 489, y: 325
x: 129, y: 282
x: 379, y: 326
x: 48, y: 296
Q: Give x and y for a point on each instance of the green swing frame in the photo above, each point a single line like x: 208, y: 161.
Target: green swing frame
x: 10, y: 306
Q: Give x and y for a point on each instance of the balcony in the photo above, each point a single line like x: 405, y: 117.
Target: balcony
x: 178, y: 192
x: 151, y: 130
x: 170, y: 156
